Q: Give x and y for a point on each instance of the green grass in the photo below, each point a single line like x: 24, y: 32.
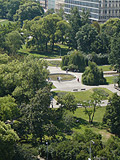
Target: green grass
x: 64, y: 77
x: 54, y: 63
x: 105, y: 67
x: 84, y: 95
x: 5, y: 21
x: 46, y: 54
x: 95, y: 127
x: 110, y: 80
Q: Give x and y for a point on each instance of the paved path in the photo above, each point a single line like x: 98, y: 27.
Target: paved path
x: 73, y: 84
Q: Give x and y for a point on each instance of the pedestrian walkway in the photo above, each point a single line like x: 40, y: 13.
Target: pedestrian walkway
x: 73, y: 84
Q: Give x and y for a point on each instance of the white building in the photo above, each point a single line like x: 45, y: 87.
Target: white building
x: 100, y: 10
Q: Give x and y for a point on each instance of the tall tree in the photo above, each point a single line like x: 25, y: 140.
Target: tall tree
x: 8, y: 139
x: 112, y: 114
x: 75, y: 23
x: 114, y: 56
x: 85, y: 37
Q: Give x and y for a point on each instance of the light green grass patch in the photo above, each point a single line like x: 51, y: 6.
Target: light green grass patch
x: 5, y: 21
x: 85, y: 95
x: 54, y: 63
x: 105, y: 67
x: 110, y: 80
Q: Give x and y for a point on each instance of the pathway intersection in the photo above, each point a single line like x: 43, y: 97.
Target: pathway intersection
x: 74, y: 84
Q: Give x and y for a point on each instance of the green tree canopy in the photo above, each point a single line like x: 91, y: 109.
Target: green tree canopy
x: 8, y: 108
x: 112, y: 114
x: 28, y: 11
x: 23, y: 79
x: 92, y: 75
x: 8, y: 139
x: 114, y: 56
x: 85, y: 38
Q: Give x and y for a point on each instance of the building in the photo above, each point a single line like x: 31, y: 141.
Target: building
x: 44, y: 3
x: 100, y: 10
x: 59, y: 4
x: 51, y: 4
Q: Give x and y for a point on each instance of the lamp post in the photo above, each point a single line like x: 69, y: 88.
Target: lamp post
x: 47, y: 149
x: 90, y: 149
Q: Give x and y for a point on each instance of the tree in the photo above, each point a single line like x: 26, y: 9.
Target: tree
x: 14, y: 42
x: 8, y: 139
x: 92, y: 105
x: 28, y: 11
x: 112, y: 114
x: 86, y: 37
x: 50, y: 27
x: 62, y: 31
x: 75, y: 23
x: 37, y: 112
x: 23, y: 79
x: 12, y: 6
x: 68, y: 102
x: 8, y: 108
x: 93, y: 75
x: 114, y: 56
x: 74, y: 61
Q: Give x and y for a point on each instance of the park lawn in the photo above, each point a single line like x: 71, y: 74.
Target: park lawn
x: 84, y: 95
x: 59, y: 50
x: 105, y: 68
x: 95, y: 127
x: 54, y: 63
x: 110, y: 80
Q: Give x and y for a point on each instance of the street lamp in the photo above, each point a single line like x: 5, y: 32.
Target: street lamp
x: 90, y: 149
x: 47, y: 149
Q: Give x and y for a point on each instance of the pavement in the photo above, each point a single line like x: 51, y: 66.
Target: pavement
x: 74, y: 85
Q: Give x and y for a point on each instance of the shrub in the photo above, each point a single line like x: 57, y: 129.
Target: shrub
x: 93, y: 75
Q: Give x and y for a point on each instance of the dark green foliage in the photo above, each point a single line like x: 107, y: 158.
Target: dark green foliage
x: 75, y: 23
x: 85, y: 38
x: 93, y: 75
x: 75, y: 149
x: 23, y: 79
x: 68, y: 102
x: 37, y: 112
x: 28, y: 11
x: 99, y: 59
x: 8, y: 139
x: 112, y: 114
x: 74, y: 61
x: 25, y: 152
x: 114, y: 56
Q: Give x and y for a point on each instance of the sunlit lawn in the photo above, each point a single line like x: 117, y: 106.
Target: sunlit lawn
x: 105, y: 67
x: 110, y: 79
x: 57, y: 53
x: 84, y: 95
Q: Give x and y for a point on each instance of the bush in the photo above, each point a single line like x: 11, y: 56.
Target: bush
x: 93, y: 75
x: 74, y: 61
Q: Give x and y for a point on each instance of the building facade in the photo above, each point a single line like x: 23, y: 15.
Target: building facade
x: 100, y: 10
x: 51, y: 4
x: 59, y: 4
x: 44, y: 3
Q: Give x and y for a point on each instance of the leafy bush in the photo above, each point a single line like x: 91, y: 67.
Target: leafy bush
x: 93, y: 75
x: 74, y: 61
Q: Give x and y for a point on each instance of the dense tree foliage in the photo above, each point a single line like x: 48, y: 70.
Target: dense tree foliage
x: 114, y: 56
x: 28, y: 11
x: 74, y: 61
x: 112, y: 114
x: 86, y: 37
x: 8, y: 139
x: 93, y: 75
x: 23, y: 79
